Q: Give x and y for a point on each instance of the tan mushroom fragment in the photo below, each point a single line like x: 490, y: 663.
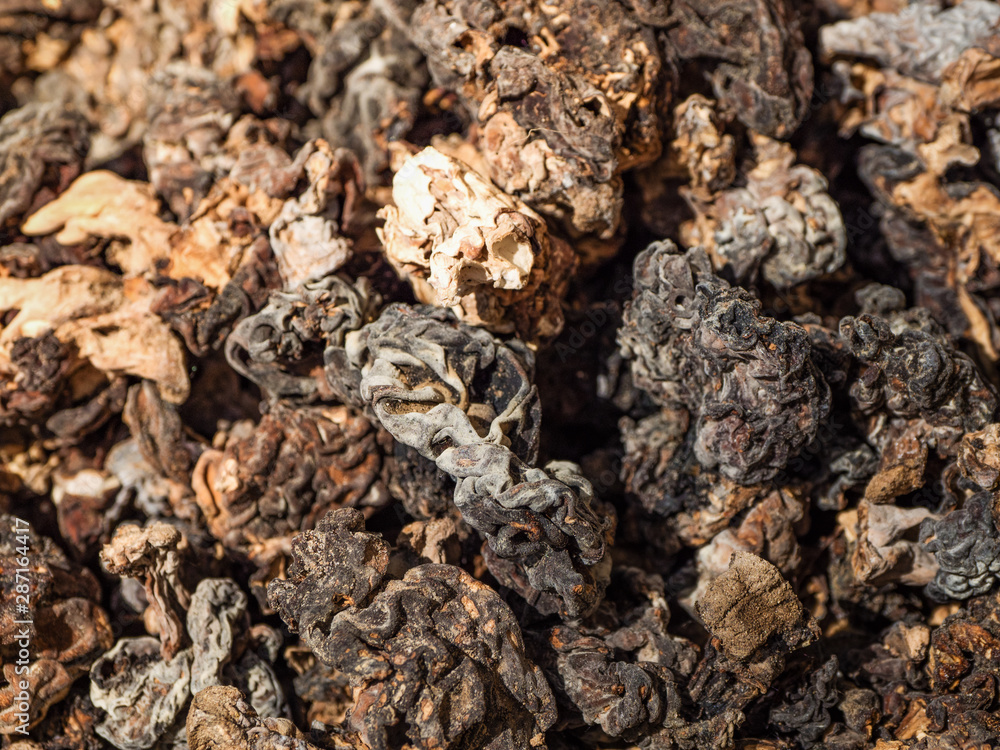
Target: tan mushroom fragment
x: 153, y: 554
x: 754, y: 615
x: 107, y: 319
x: 465, y: 244
x: 221, y: 719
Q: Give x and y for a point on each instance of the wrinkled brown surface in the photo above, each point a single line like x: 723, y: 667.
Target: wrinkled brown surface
x: 339, y: 599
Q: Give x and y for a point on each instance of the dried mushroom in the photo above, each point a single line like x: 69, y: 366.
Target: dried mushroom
x: 748, y: 382
x: 466, y: 245
x: 466, y: 401
x: 144, y: 693
x: 755, y: 617
x: 42, y: 147
x: 782, y: 223
x: 221, y: 718
x: 559, y: 117
x: 106, y: 323
x: 435, y: 657
x: 757, y: 63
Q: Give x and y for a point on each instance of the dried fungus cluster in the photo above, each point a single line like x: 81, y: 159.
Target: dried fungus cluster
x: 501, y: 375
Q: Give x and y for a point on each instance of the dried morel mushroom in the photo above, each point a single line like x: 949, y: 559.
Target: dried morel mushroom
x: 42, y: 147
x: 560, y: 116
x: 283, y: 474
x: 753, y: 54
x: 782, y: 223
x: 281, y: 347
x: 466, y: 245
x: 466, y: 401
x: 748, y: 382
x: 220, y: 717
x: 436, y: 657
x: 144, y: 692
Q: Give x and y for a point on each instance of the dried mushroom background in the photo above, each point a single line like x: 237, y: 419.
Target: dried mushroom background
x: 499, y: 375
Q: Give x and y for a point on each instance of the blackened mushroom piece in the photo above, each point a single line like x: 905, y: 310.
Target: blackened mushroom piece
x: 966, y: 544
x: 561, y: 115
x: 464, y: 244
x: 338, y: 565
x: 624, y: 699
x: 466, y: 401
x: 279, y: 347
x: 805, y: 711
x: 755, y: 618
x: 965, y: 643
x: 221, y: 719
x: 760, y: 68
x: 748, y: 381
x: 37, y: 376
x: 912, y: 369
x: 267, y: 481
x: 154, y: 555
x: 618, y: 670
x: 656, y: 458
x: 42, y: 146
x: 436, y: 658
x: 157, y: 428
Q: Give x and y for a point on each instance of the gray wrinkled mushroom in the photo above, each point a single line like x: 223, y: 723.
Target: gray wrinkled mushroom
x: 782, y: 222
x: 467, y: 402
x: 144, y: 693
x: 277, y: 347
x: 966, y: 545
